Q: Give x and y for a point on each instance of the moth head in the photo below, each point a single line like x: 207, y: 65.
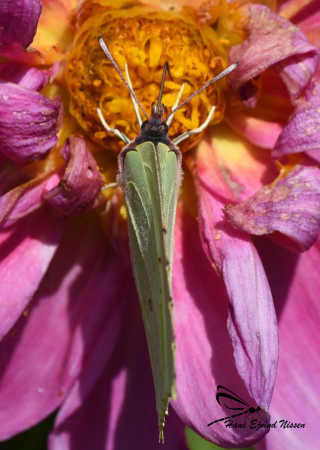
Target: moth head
x: 155, y: 125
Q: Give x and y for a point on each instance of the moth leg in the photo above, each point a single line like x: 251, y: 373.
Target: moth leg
x: 115, y: 131
x: 185, y: 135
x: 170, y: 117
x: 109, y: 186
x: 135, y: 104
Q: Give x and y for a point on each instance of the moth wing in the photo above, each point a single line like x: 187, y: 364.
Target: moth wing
x: 151, y: 178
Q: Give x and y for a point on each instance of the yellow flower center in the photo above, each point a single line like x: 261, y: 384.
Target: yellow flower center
x: 144, y: 39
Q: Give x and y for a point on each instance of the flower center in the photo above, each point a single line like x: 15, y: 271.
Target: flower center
x: 145, y: 42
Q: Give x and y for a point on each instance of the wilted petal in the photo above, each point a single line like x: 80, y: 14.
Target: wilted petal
x: 291, y: 206
x: 296, y: 284
x: 119, y: 407
x: 24, y: 199
x: 18, y: 21
x: 251, y: 321
x: 204, y: 356
x: 274, y: 40
x: 302, y: 133
x: 81, y: 182
x: 25, y: 254
x: 77, y: 302
x: 28, y: 123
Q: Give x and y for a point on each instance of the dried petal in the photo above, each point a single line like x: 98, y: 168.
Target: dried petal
x: 274, y: 40
x: 291, y: 207
x: 28, y: 123
x: 302, y: 133
x: 18, y: 21
x: 81, y: 182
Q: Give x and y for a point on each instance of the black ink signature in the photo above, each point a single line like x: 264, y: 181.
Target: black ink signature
x: 224, y: 392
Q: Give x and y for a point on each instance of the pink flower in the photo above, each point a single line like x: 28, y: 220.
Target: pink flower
x: 71, y: 330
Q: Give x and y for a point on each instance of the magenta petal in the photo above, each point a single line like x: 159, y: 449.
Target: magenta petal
x: 30, y: 78
x: 10, y: 175
x: 291, y: 207
x: 25, y: 254
x: 24, y: 199
x: 18, y: 21
x: 120, y: 408
x: 251, y: 321
x: 44, y: 355
x: 205, y: 356
x: 314, y: 154
x: 296, y: 287
x: 302, y: 133
x: 274, y: 40
x: 81, y: 182
x: 28, y: 123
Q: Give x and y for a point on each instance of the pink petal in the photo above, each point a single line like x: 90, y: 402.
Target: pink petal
x: 290, y: 8
x: 258, y: 131
x: 28, y: 123
x: 24, y: 199
x: 18, y: 21
x: 302, y: 133
x: 243, y: 168
x: 53, y: 342
x: 120, y: 407
x: 308, y: 20
x: 81, y: 182
x: 274, y: 40
x: 296, y: 287
x: 205, y: 355
x: 251, y: 321
x: 16, y: 53
x: 291, y: 206
x: 314, y: 154
x: 30, y: 78
x: 306, y: 14
x: 25, y: 254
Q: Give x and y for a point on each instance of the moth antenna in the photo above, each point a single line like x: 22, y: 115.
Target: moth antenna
x: 165, y: 69
x: 135, y: 104
x: 108, y: 54
x: 222, y: 74
x: 176, y: 103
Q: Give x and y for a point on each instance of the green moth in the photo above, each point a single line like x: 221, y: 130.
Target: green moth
x: 150, y: 177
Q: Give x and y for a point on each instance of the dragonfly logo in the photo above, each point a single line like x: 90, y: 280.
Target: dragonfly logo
x: 230, y: 400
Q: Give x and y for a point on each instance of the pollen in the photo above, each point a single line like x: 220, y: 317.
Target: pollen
x: 145, y: 40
